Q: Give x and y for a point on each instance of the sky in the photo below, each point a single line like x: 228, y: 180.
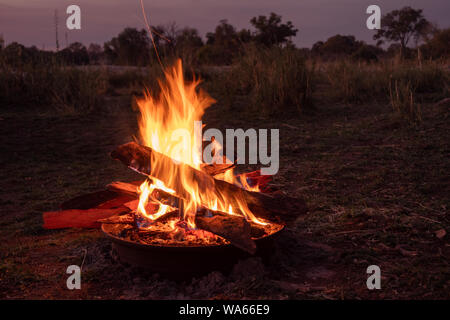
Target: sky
x: 31, y: 22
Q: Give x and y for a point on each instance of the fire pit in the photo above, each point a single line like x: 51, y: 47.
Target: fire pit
x: 183, y: 261
x: 187, y: 216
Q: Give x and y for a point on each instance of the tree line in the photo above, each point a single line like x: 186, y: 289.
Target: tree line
x: 134, y: 47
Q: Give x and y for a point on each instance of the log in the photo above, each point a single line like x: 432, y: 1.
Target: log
x: 79, y: 218
x: 89, y: 200
x: 123, y: 219
x: 279, y: 207
x: 214, y: 169
x: 232, y: 228
x: 131, y: 190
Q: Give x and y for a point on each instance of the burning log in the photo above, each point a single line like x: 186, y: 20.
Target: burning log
x: 123, y: 219
x: 79, y: 218
x: 215, y: 168
x: 271, y: 207
x: 131, y: 190
x: 232, y: 228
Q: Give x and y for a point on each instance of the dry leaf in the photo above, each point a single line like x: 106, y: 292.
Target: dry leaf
x: 440, y: 233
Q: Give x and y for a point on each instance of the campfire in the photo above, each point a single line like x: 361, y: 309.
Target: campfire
x: 182, y: 201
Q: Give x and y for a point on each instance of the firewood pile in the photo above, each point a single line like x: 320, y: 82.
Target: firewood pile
x: 118, y: 206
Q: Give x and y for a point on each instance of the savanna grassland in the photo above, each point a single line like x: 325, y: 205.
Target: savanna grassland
x: 366, y: 144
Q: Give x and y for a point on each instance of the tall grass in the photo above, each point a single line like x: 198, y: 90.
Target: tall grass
x: 266, y: 81
x: 51, y: 87
x: 269, y: 81
x: 362, y: 83
x: 401, y: 96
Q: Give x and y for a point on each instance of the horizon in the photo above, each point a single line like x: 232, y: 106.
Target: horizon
x: 315, y: 20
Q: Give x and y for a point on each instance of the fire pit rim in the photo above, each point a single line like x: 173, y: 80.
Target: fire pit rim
x: 179, y: 247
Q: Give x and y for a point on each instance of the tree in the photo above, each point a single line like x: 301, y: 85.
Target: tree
x: 130, y: 47
x: 95, y: 53
x: 188, y: 37
x: 367, y: 52
x: 270, y: 31
x: 224, y: 35
x: 15, y: 54
x: 338, y: 45
x: 401, y: 26
x: 187, y: 42
x: 439, y: 45
x: 76, y: 53
x: 222, y: 45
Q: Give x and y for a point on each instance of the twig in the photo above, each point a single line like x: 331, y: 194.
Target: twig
x: 84, y: 258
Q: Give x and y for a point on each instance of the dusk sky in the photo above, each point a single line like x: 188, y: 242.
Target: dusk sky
x: 31, y: 22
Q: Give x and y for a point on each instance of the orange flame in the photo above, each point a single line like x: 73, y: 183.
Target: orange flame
x: 167, y: 125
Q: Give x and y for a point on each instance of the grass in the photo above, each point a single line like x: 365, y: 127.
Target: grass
x: 377, y: 189
x: 402, y: 101
x: 270, y: 81
x: 64, y: 90
x: 372, y: 82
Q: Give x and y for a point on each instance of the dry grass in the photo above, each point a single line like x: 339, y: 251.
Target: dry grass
x: 268, y: 81
x: 377, y: 192
x: 364, y: 82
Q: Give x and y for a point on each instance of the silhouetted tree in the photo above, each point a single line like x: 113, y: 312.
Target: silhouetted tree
x: 317, y: 48
x: 223, y: 44
x: 401, y: 25
x: 187, y: 43
x: 95, y: 53
x: 338, y: 45
x: 188, y: 37
x: 438, y: 46
x: 367, y: 52
x: 76, y: 53
x: 270, y: 31
x: 15, y: 54
x: 130, y: 47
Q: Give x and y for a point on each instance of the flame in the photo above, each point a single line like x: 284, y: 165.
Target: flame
x: 145, y: 190
x: 166, y: 125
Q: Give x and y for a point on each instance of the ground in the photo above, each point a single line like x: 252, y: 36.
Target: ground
x: 377, y: 188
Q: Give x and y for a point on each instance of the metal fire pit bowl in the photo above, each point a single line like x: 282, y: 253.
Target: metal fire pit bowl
x: 181, y: 262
